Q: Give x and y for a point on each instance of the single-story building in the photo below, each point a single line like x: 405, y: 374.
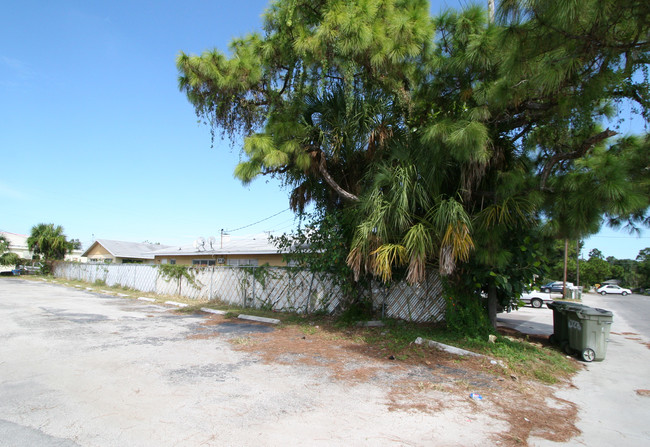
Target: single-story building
x: 120, y: 252
x: 226, y: 250
x: 18, y: 245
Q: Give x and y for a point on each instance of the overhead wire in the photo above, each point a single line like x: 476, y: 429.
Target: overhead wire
x: 259, y: 221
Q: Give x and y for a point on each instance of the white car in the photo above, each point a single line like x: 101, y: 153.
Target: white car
x: 536, y: 298
x: 612, y: 288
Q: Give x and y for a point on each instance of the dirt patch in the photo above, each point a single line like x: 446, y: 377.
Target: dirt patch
x: 644, y: 393
x: 418, y: 378
x: 539, y: 340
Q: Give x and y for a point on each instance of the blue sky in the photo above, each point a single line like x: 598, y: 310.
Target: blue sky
x: 95, y: 135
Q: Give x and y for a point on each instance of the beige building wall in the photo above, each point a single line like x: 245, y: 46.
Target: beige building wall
x: 99, y: 253
x: 274, y: 260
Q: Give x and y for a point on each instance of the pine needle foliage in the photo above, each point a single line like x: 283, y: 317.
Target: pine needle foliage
x: 450, y: 142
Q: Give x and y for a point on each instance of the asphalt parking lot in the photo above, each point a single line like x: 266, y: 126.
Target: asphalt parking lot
x: 82, y: 368
x: 79, y: 368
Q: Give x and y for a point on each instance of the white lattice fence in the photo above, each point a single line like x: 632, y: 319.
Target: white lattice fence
x: 290, y: 290
x: 277, y: 288
x: 423, y: 302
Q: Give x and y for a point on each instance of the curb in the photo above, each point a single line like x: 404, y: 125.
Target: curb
x: 214, y: 311
x: 175, y: 303
x: 446, y: 348
x: 260, y: 319
x: 144, y: 298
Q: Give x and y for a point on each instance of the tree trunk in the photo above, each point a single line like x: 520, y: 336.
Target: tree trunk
x: 322, y: 168
x: 578, y: 263
x: 492, y: 305
x: 566, y: 259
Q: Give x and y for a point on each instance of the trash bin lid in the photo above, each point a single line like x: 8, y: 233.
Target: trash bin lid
x: 592, y: 311
x: 566, y: 305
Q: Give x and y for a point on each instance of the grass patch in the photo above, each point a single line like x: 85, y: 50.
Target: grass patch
x: 243, y: 341
x: 308, y: 329
x: 522, y: 357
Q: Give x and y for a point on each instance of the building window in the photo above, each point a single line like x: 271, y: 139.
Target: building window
x: 172, y: 261
x: 242, y: 262
x: 203, y: 262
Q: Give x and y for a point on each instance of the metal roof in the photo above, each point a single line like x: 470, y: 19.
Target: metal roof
x: 122, y: 249
x: 244, y: 245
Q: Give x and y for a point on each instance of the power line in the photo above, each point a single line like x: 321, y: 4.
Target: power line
x: 283, y: 223
x: 620, y: 237
x: 259, y: 221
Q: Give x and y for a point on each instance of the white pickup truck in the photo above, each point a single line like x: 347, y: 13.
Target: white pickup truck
x: 536, y: 298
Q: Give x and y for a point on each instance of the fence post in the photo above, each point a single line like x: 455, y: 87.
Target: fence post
x: 242, y: 282
x: 253, y: 275
x: 211, y: 276
x: 311, y: 283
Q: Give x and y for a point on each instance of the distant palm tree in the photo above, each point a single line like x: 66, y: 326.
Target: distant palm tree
x: 49, y: 240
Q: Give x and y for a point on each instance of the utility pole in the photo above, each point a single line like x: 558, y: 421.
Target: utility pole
x: 491, y: 11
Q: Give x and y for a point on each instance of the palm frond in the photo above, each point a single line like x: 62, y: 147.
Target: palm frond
x: 387, y: 256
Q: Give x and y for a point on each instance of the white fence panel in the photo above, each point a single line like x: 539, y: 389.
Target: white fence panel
x: 277, y: 288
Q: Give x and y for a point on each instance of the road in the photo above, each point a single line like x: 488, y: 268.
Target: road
x: 634, y: 309
x: 87, y: 369
x: 612, y: 395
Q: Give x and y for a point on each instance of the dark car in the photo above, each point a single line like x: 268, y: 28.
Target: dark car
x: 554, y: 287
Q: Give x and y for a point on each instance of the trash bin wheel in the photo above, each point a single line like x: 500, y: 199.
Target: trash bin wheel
x: 567, y: 349
x: 552, y: 339
x: 536, y: 303
x: 588, y: 355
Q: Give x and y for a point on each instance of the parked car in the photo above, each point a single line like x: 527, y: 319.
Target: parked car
x: 536, y: 298
x: 613, y: 288
x: 555, y: 287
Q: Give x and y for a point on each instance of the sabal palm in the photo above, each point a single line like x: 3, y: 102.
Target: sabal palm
x: 48, y: 240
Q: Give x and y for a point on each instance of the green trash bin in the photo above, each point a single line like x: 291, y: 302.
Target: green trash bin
x: 561, y: 309
x: 589, y: 332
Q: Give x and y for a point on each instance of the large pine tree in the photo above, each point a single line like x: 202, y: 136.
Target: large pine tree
x: 455, y: 142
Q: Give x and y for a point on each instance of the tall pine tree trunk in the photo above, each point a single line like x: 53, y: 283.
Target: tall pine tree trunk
x: 566, y: 259
x: 578, y: 263
x: 492, y: 304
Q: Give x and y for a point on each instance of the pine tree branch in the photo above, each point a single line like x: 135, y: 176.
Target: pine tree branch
x: 592, y: 40
x: 524, y: 131
x: 578, y: 153
x: 319, y: 158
